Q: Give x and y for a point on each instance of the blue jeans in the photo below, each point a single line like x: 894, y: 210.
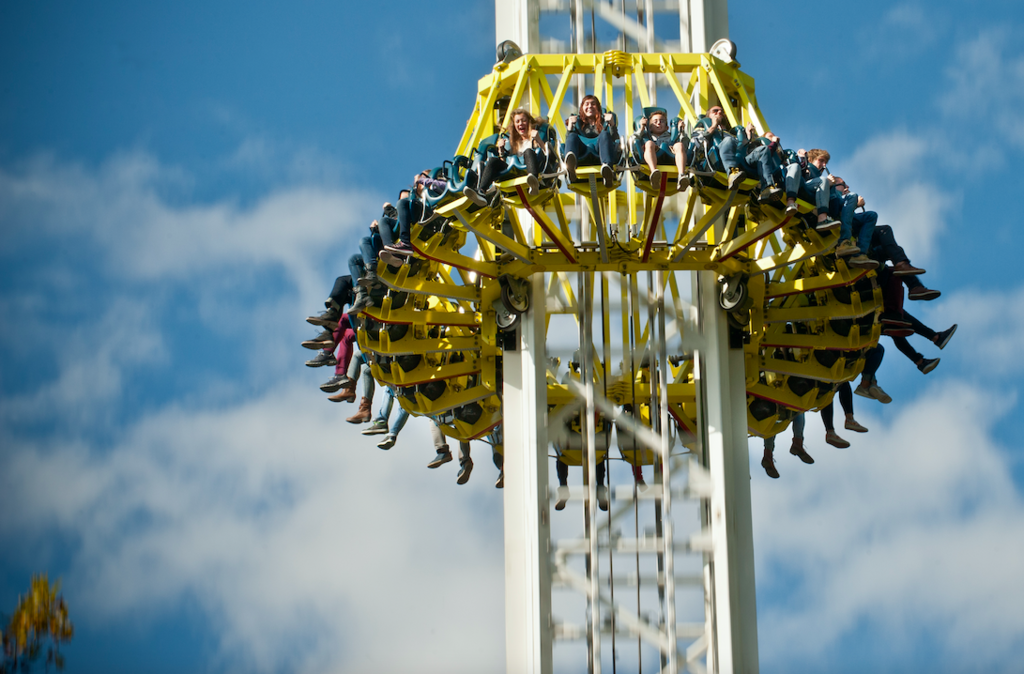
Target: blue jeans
x: 760, y: 162
x: 356, y: 266
x: 798, y: 432
x: 385, y: 412
x: 369, y: 246
x: 814, y: 190
x: 608, y: 151
x: 409, y: 210
x: 842, y: 207
x: 387, y: 230
x: 864, y: 227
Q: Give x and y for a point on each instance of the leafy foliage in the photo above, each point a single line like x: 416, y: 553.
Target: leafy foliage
x: 38, y: 626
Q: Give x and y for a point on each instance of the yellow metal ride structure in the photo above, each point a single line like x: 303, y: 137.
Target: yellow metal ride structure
x: 436, y: 332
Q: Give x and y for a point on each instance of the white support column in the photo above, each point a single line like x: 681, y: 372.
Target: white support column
x: 702, y: 23
x: 722, y: 390
x: 528, y: 622
x: 519, y: 21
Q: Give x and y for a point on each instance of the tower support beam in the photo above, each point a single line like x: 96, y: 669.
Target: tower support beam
x: 528, y: 628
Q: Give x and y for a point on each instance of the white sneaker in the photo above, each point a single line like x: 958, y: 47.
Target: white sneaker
x: 388, y: 442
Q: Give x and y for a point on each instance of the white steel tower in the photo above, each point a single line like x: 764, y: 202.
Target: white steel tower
x: 664, y: 580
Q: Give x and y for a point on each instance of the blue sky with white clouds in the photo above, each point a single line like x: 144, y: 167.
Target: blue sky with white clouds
x: 180, y: 183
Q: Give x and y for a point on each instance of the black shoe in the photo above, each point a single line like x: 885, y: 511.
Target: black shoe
x: 326, y: 319
x: 607, y: 175
x: 325, y: 340
x: 334, y: 383
x: 322, y: 358
x: 465, y: 470
x: 927, y: 365
x: 942, y: 338
x: 444, y: 455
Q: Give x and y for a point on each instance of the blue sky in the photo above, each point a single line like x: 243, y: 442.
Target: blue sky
x: 181, y: 182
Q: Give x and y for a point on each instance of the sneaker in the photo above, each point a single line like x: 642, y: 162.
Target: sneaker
x: 325, y: 340
x: 863, y: 389
x: 769, y: 194
x: 922, y: 293
x: 500, y: 482
x: 608, y: 176
x: 388, y: 442
x: 832, y: 438
x: 377, y: 427
x: 532, y: 188
x: 827, y: 224
x: 334, y: 383
x: 768, y: 463
x: 391, y: 259
x: 852, y: 425
x: 401, y: 248
x: 861, y: 261
x: 465, y: 470
x: 474, y: 197
x: 797, y: 450
x: 847, y: 248
x: 602, y: 497
x: 444, y: 455
x: 570, y: 166
x: 878, y: 394
x: 791, y: 208
x: 326, y: 319
x: 655, y: 178
x: 322, y: 358
x: 905, y: 269
x: 942, y: 338
x: 683, y: 183
x: 893, y: 318
x: 563, y: 498
x: 927, y: 365
x: 736, y: 177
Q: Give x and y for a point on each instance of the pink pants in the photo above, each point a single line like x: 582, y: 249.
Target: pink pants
x: 344, y: 335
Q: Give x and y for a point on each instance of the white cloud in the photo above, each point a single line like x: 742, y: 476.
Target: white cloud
x: 285, y: 527
x: 989, y: 328
x: 916, y: 529
x: 127, y: 209
x: 891, y: 173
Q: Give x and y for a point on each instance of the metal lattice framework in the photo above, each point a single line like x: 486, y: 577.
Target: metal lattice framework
x: 716, y: 316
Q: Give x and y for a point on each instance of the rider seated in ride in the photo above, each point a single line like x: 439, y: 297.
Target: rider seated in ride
x: 656, y: 137
x: 743, y: 153
x: 413, y: 207
x: 524, y: 148
x: 591, y: 124
x: 363, y: 265
x: 805, y: 179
